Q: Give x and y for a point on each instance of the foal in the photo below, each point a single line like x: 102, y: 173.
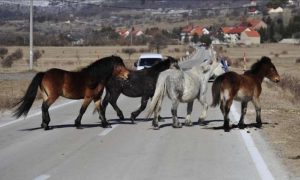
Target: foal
x: 246, y: 87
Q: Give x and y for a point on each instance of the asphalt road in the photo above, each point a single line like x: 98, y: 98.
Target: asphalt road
x: 132, y: 152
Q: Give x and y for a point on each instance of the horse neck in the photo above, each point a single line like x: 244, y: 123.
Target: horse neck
x: 201, y: 72
x: 259, y: 75
x: 160, y: 67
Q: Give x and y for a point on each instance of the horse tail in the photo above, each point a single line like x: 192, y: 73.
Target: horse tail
x: 159, y: 94
x: 26, y: 102
x: 216, y: 91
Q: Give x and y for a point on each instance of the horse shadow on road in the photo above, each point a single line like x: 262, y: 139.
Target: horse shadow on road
x: 235, y: 126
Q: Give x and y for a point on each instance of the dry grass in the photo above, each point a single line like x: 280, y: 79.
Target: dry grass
x: 11, y: 91
x: 71, y: 58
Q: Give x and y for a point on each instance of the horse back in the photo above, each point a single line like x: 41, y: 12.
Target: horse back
x: 240, y: 86
x: 58, y: 82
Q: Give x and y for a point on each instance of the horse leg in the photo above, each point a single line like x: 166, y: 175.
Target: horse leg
x: 101, y: 113
x: 45, y: 116
x: 156, y: 116
x: 104, y: 104
x: 241, y: 123
x: 227, y: 106
x: 202, y: 100
x: 188, y: 121
x: 257, y: 106
x: 113, y: 101
x: 134, y: 114
x: 176, y: 123
x: 83, y: 108
x: 45, y: 113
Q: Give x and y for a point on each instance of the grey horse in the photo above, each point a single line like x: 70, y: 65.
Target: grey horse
x: 185, y: 87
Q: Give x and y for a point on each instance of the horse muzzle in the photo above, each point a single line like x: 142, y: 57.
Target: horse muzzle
x: 276, y: 79
x: 124, y: 74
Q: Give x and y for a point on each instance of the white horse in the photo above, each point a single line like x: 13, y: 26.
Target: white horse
x: 183, y: 86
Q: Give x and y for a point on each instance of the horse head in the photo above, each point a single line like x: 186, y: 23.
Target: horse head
x: 270, y: 69
x: 173, y: 62
x: 119, y: 69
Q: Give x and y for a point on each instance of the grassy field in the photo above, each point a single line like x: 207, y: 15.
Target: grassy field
x: 280, y: 109
x: 71, y: 58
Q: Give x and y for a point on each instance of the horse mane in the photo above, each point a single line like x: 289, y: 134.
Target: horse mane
x: 102, y: 68
x: 256, y: 66
x: 165, y: 64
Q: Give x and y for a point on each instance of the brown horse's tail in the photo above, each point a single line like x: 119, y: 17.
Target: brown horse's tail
x: 216, y: 91
x: 26, y: 102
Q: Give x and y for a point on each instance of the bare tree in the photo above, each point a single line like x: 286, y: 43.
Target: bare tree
x: 158, y: 42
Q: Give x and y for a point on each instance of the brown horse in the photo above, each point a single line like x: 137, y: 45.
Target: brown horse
x: 246, y: 87
x: 87, y: 84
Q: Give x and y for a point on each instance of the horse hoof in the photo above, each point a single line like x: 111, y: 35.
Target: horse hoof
x: 47, y: 128
x: 259, y: 125
x: 177, y: 126
x: 121, y: 117
x: 188, y: 123
x: 202, y: 122
x: 160, y: 119
x: 242, y: 126
x: 156, y: 128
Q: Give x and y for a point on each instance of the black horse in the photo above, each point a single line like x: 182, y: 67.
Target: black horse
x: 138, y: 84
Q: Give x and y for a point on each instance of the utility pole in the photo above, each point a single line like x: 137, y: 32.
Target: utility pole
x: 31, y: 36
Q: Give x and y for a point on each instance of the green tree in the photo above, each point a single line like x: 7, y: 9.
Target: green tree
x: 195, y: 38
x: 206, y: 39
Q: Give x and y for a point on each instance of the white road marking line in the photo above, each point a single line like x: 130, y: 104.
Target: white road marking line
x: 108, y: 130
x: 37, y: 113
x: 42, y: 177
x: 259, y: 162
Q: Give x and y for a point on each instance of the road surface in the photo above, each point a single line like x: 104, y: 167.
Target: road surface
x: 131, y: 152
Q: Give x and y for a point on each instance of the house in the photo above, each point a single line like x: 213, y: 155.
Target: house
x: 250, y: 37
x: 275, y: 10
x: 125, y: 32
x: 137, y: 33
x: 190, y: 31
x: 256, y: 24
x: 232, y: 34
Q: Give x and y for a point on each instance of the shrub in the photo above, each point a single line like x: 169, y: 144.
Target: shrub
x: 9, y: 60
x: 284, y: 52
x: 3, y: 52
x: 36, y: 55
x: 18, y: 54
x: 292, y: 84
x: 297, y: 61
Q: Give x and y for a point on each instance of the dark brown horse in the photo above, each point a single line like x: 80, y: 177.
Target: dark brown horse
x: 87, y: 84
x: 246, y: 87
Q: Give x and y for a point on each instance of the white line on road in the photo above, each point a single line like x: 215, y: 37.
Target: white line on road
x: 42, y: 177
x: 108, y: 130
x: 259, y: 162
x: 37, y: 113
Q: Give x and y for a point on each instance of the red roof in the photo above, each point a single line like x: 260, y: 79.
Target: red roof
x: 253, y: 22
x: 197, y: 30
x: 252, y: 34
x: 187, y: 29
x: 226, y: 29
x: 237, y: 30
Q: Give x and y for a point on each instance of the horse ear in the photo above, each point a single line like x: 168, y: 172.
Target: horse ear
x: 266, y: 59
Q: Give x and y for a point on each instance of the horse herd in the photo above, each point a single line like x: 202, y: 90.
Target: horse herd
x: 164, y: 78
